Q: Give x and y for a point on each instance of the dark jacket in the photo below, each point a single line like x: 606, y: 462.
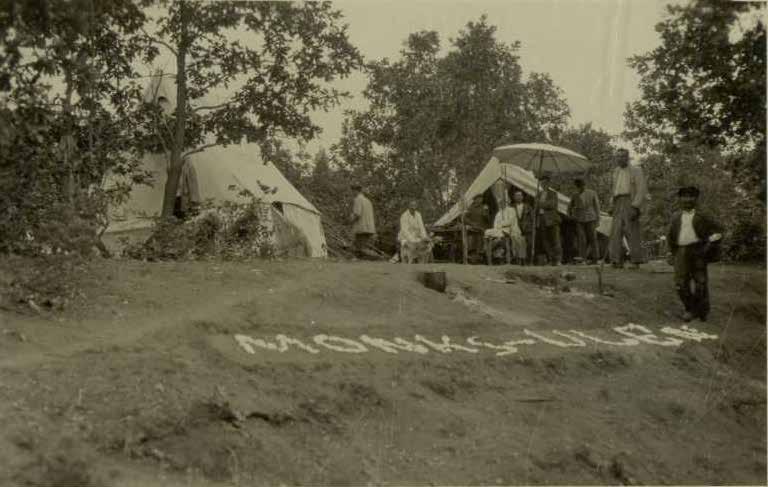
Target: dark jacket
x: 525, y: 219
x: 478, y: 217
x: 548, y: 203
x: 705, y: 227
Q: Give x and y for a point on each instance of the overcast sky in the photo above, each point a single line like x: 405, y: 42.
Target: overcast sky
x: 582, y: 44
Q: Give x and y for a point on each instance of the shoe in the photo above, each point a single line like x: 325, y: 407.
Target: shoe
x: 703, y: 319
x: 687, y: 316
x: 617, y: 266
x: 634, y: 267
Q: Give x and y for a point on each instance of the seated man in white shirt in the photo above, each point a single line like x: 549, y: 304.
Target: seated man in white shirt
x: 415, y: 244
x: 506, y: 225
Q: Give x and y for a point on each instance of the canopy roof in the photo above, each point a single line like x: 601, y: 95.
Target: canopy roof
x: 516, y: 176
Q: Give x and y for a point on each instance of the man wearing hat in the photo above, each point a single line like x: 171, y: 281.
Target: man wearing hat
x: 549, y: 221
x: 629, y: 194
x: 363, y: 226
x: 693, y: 241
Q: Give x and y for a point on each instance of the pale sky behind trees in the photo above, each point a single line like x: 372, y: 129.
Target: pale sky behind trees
x: 582, y: 44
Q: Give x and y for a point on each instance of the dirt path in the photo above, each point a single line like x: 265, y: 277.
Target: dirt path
x: 146, y: 385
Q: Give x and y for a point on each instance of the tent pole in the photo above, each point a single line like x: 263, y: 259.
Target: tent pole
x: 464, y: 250
x: 536, y: 210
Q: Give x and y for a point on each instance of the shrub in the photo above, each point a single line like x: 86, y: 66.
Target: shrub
x: 229, y: 231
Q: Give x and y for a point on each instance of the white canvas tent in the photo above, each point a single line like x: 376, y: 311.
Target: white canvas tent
x: 524, y: 180
x: 222, y: 172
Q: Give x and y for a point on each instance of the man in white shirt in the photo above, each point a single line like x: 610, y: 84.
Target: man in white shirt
x: 413, y: 236
x: 363, y: 225
x: 694, y: 242
x: 505, y: 225
x: 629, y: 192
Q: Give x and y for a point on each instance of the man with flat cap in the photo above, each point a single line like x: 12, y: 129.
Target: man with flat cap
x: 693, y: 241
x: 363, y: 226
x: 549, y: 221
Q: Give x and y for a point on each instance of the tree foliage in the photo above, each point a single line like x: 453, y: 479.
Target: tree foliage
x: 705, y: 84
x: 722, y: 196
x: 274, y: 59
x: 68, y: 109
x: 433, y: 119
x: 597, y: 146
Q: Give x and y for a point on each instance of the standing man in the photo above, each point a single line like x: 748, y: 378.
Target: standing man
x: 629, y: 193
x: 363, y: 226
x: 413, y: 235
x: 549, y: 222
x: 694, y: 241
x: 585, y: 210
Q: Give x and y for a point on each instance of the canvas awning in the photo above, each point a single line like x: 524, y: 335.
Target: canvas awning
x: 518, y: 177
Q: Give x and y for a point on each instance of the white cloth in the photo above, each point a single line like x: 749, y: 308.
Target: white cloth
x: 412, y: 227
x: 622, y: 181
x: 687, y: 234
x: 505, y: 222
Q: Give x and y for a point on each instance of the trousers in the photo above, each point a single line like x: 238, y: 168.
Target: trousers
x: 624, y: 226
x: 691, y: 281
x: 550, y: 242
x: 587, y: 239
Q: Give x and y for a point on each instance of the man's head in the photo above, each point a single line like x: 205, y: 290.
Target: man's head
x: 579, y: 183
x: 545, y: 179
x: 518, y: 197
x: 687, y: 197
x: 412, y: 205
x: 622, y: 157
x: 356, y: 188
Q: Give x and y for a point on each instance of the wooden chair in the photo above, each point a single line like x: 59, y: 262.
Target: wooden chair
x: 489, y: 250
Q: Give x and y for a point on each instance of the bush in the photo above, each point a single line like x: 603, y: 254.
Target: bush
x: 48, y: 282
x: 229, y: 231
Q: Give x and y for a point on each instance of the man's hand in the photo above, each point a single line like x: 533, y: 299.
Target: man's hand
x: 635, y: 213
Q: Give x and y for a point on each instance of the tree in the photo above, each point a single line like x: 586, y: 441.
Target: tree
x: 722, y: 196
x: 705, y: 84
x: 597, y: 146
x: 275, y: 82
x: 433, y: 120
x: 56, y: 145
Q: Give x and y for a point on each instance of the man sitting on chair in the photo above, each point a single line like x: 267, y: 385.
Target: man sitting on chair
x: 415, y: 244
x: 505, y: 225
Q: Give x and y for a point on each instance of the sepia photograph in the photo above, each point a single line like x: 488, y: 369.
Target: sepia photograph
x: 382, y: 243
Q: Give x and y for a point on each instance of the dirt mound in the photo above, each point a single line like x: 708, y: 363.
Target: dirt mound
x: 148, y: 385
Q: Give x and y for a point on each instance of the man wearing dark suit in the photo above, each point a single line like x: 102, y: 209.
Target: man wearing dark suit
x: 693, y: 242
x: 549, y: 222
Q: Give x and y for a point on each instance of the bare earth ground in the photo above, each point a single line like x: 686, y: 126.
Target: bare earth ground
x: 146, y: 385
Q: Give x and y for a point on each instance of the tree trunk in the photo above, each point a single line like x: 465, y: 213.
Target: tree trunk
x: 65, y: 143
x: 177, y: 147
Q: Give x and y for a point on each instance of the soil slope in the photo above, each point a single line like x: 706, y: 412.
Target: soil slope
x: 146, y: 384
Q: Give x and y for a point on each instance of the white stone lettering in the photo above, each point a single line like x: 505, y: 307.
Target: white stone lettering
x: 506, y: 348
x: 445, y: 345
x: 283, y: 342
x: 688, y: 333
x: 625, y: 342
x: 643, y: 334
x: 247, y: 343
x: 341, y: 344
x: 633, y: 335
x: 575, y: 342
x: 395, y: 345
